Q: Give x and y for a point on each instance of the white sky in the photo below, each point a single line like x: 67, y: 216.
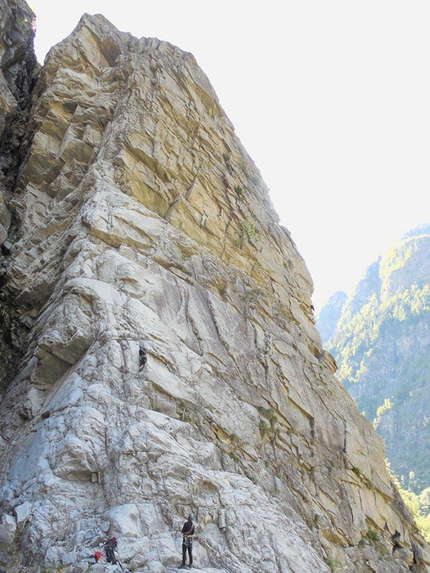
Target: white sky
x: 331, y: 98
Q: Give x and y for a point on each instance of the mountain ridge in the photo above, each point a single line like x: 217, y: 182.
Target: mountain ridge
x: 379, y: 339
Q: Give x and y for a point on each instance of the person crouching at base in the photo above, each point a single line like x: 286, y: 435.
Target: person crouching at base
x: 187, y: 541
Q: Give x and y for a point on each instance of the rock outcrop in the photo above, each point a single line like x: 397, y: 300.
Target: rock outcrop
x: 18, y: 67
x: 143, y: 222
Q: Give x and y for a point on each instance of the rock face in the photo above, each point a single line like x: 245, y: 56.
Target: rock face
x: 143, y: 222
x: 381, y: 343
x: 17, y: 70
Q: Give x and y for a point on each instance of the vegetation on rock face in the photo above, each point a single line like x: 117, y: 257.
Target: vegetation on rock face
x: 381, y: 343
x: 250, y: 229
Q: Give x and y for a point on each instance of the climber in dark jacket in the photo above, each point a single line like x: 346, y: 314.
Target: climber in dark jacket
x: 187, y: 541
x: 142, y: 357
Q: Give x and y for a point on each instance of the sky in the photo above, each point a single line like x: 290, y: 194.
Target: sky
x: 331, y: 99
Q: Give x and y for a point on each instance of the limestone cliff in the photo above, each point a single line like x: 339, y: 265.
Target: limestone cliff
x: 141, y: 220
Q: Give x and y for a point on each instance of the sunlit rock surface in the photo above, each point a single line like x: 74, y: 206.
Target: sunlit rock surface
x: 143, y: 221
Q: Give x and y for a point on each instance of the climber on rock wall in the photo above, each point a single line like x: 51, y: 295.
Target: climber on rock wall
x: 142, y: 357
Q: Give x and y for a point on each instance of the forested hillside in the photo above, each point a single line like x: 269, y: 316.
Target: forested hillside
x: 380, y: 338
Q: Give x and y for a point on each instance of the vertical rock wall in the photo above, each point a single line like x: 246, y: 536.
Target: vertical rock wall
x: 143, y: 221
x: 18, y: 68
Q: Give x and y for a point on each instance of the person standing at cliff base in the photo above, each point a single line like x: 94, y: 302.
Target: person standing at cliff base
x: 187, y: 541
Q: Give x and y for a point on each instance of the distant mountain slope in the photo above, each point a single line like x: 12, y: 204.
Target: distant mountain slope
x: 330, y: 315
x: 381, y: 342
